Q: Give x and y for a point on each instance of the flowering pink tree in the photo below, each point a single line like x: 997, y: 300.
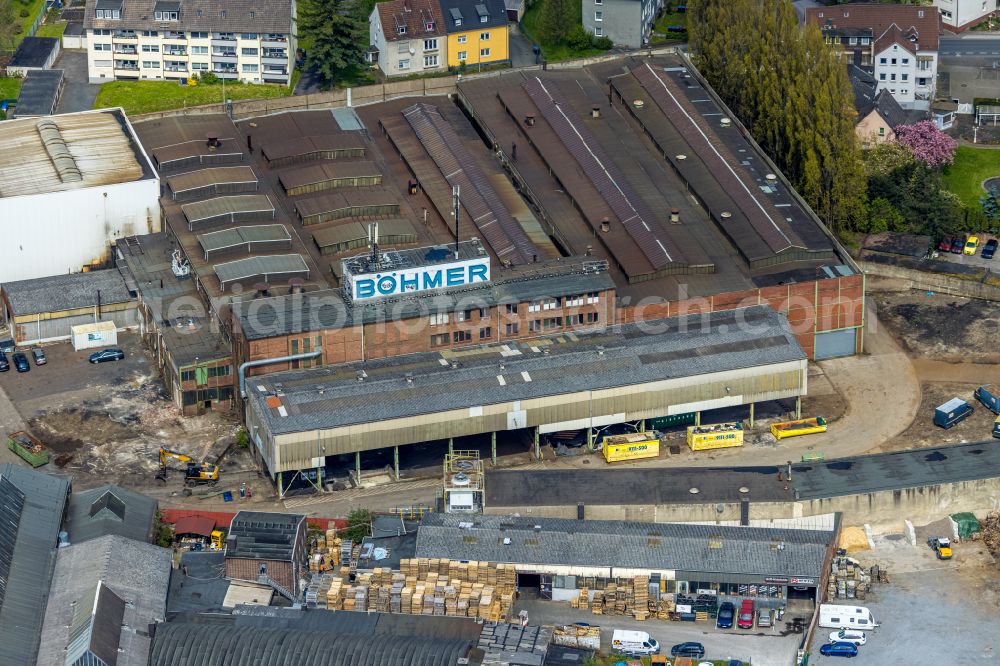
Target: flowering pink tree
x: 929, y: 144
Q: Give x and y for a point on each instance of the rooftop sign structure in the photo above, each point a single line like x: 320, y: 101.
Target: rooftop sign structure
x: 393, y: 272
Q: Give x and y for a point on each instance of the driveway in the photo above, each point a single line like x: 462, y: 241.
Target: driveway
x: 77, y: 94
x: 521, y: 54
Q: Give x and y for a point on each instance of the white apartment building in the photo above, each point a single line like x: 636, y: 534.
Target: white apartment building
x: 962, y: 14
x: 240, y: 40
x: 897, y: 44
x: 407, y: 37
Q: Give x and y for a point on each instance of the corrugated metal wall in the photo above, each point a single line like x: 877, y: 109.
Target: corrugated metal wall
x: 299, y: 450
x: 46, y: 330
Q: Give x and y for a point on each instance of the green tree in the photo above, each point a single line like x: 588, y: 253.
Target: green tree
x: 9, y: 26
x: 358, y: 525
x: 556, y: 20
x: 335, y: 32
x: 883, y: 216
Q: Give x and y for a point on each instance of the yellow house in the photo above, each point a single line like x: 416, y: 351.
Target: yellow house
x: 477, y: 31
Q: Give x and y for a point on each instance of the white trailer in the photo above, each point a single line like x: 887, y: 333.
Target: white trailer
x: 833, y: 616
x: 98, y: 334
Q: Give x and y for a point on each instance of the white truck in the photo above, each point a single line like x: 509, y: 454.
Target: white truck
x: 634, y: 643
x: 834, y: 616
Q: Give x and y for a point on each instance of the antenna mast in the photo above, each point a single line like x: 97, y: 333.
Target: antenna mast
x: 455, y: 195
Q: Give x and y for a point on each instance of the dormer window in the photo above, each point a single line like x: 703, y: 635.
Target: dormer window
x: 456, y: 17
x: 167, y: 10
x: 458, y: 22
x: 920, y: 13
x: 401, y: 30
x: 484, y: 15
x: 165, y: 16
x: 109, y: 10
x: 430, y: 26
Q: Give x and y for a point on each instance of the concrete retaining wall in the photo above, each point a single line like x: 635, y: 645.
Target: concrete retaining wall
x: 886, y: 508
x: 945, y: 284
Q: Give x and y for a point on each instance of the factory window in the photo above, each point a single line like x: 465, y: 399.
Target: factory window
x: 189, y: 398
x: 534, y: 307
x: 534, y: 326
x: 592, y: 317
x: 574, y: 320
x: 553, y: 322
x: 187, y: 375
x: 220, y: 370
x: 439, y: 319
x: 594, y: 297
x: 462, y: 336
x: 440, y: 340
x: 485, y: 333
x: 510, y: 308
x: 513, y: 329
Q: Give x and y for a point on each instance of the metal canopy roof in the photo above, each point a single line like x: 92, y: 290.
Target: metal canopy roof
x: 311, y: 145
x: 227, y: 207
x: 251, y: 267
x: 342, y: 233
x: 261, y: 535
x: 194, y: 180
x: 229, y: 238
x: 324, y: 171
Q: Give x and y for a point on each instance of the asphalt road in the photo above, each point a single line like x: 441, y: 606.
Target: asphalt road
x: 970, y: 45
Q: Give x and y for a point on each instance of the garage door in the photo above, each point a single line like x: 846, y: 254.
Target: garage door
x: 836, y: 343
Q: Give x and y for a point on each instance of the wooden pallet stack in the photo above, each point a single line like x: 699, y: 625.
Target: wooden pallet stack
x: 848, y: 580
x: 640, y: 597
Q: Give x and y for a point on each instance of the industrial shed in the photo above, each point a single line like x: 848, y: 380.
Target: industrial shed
x: 564, y: 555
x: 198, y: 153
x: 563, y: 382
x: 45, y: 309
x: 98, y: 512
x: 286, y: 637
x: 268, y: 548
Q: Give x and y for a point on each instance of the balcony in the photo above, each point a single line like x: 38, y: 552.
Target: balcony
x: 280, y: 54
x: 176, y: 68
x: 228, y: 57
x: 174, y: 36
x: 223, y: 40
x: 270, y: 41
x: 121, y: 49
x: 175, y: 52
x: 275, y: 60
x: 127, y: 35
x: 127, y: 65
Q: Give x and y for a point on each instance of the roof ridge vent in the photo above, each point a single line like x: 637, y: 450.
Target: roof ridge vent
x: 55, y: 146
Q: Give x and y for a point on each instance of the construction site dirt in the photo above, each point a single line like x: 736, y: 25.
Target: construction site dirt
x: 941, y: 327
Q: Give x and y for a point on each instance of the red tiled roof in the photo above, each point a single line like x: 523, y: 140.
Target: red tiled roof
x: 923, y: 21
x: 194, y: 525
x: 415, y: 15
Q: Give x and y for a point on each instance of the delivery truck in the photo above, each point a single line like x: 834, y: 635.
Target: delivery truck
x: 634, y: 643
x: 989, y: 395
x: 954, y: 411
x: 715, y: 436
x: 631, y: 446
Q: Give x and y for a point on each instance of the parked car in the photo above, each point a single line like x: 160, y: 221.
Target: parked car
x: 839, y: 649
x: 848, y: 636
x: 944, y: 245
x: 727, y: 613
x: 7, y: 346
x: 971, y: 245
x: 990, y: 248
x: 4, y: 364
x: 39, y: 356
x: 107, y: 355
x: 20, y: 362
x: 957, y: 244
x: 745, y: 619
x: 689, y: 649
x: 764, y: 618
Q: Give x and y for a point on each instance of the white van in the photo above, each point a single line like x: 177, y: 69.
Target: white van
x: 833, y: 616
x: 634, y: 643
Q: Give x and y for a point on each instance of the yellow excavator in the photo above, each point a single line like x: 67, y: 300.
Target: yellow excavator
x: 195, y: 474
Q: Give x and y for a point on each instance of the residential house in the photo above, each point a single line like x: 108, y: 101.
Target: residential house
x: 957, y: 15
x: 477, y: 31
x: 897, y: 43
x: 179, y: 39
x: 879, y: 114
x: 407, y: 37
x: 624, y: 22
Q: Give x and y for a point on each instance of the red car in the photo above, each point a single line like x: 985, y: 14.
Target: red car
x: 745, y: 619
x: 945, y: 244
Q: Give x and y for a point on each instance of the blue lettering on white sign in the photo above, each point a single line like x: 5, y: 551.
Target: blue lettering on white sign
x: 388, y: 284
x: 456, y: 276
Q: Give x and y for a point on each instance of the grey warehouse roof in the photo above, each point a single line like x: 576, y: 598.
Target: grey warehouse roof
x: 137, y: 573
x: 327, y: 309
x: 32, y: 558
x: 623, y: 356
x: 109, y: 510
x: 602, y: 543
x: 253, y: 16
x: 285, y: 637
x: 263, y: 536
x: 66, y: 292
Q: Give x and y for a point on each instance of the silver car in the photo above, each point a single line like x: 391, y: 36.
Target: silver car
x: 39, y: 356
x: 764, y: 617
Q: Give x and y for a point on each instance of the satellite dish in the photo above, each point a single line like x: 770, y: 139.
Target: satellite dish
x: 413, y: 51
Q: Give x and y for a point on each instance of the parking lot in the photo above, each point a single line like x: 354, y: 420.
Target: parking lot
x: 971, y: 260
x: 932, y: 611
x: 761, y: 647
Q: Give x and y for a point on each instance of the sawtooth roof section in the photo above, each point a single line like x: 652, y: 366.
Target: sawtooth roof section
x: 749, y: 551
x: 263, y: 536
x: 765, y: 219
x: 193, y: 180
x: 228, y: 208
x: 503, y: 233
x: 265, y: 267
x: 312, y: 147
x: 32, y: 559
x: 633, y: 213
x: 109, y: 510
x: 228, y: 238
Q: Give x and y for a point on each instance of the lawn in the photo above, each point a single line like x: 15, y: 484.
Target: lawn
x: 149, y: 96
x: 52, y: 29
x: 972, y: 166
x: 660, y: 32
x: 33, y: 7
x: 553, y: 52
x: 9, y: 87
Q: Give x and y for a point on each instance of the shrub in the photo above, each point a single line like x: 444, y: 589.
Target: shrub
x: 603, y: 43
x: 208, y: 78
x: 24, y: 13
x: 578, y: 38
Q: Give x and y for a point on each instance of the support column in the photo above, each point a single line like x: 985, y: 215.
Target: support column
x: 395, y: 460
x: 451, y: 446
x: 642, y: 425
x: 493, y: 447
x: 697, y: 418
x: 538, y: 449
x: 319, y: 479
x: 357, y: 466
x: 798, y: 407
x: 590, y: 437
x: 751, y: 414
x: 281, y: 489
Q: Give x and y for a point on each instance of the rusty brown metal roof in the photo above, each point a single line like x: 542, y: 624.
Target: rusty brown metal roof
x: 345, y: 198
x: 317, y: 173
x: 214, y: 176
x: 306, y: 146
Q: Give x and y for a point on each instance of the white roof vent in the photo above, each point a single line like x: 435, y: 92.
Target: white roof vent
x: 725, y: 122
